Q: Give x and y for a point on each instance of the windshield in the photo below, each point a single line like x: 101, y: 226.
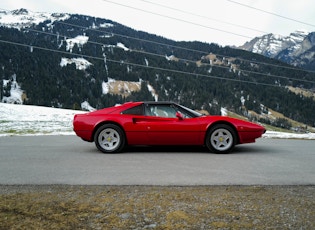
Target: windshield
x: 193, y: 113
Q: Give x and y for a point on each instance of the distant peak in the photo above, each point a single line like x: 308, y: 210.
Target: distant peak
x: 23, y: 18
x: 21, y: 11
x: 302, y: 33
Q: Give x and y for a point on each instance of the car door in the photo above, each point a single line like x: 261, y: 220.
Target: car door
x: 172, y: 131
x: 165, y: 128
x: 135, y: 126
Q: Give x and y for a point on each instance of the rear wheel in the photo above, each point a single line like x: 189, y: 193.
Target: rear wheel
x: 109, y: 138
x: 221, y: 138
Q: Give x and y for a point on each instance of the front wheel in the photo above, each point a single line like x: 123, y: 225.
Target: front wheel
x: 109, y: 138
x: 221, y: 138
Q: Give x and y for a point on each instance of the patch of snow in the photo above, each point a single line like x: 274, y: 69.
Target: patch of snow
x: 153, y: 92
x: 223, y: 111
x: 120, y: 87
x: 35, y: 120
x: 80, y: 63
x: 284, y: 135
x: 122, y: 46
x: 79, y: 40
x: 23, y: 18
x: 242, y: 100
x: 86, y: 106
x: 129, y: 69
x: 106, y: 25
x: 169, y: 58
x: 5, y: 83
x: 146, y: 62
x: 106, y: 35
x: 15, y: 92
x: 106, y: 85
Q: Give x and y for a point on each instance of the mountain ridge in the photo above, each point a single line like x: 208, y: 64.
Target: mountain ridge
x: 296, y: 49
x: 55, y: 66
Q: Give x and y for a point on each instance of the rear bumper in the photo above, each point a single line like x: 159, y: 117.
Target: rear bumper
x: 85, y: 135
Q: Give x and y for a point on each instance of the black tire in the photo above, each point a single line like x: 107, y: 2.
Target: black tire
x: 110, y: 138
x: 221, y: 138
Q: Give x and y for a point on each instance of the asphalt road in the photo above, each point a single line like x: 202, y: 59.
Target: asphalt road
x: 68, y: 160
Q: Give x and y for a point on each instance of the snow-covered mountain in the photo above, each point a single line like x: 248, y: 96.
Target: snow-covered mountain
x: 271, y: 45
x: 296, y: 49
x: 23, y: 18
x: 84, y: 62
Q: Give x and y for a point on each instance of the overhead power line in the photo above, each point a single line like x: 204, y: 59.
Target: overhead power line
x: 185, y: 60
x: 182, y: 59
x: 177, y: 47
x: 140, y: 65
x: 271, y: 13
x: 163, y: 69
x: 177, y: 19
x: 173, y: 46
x: 203, y: 16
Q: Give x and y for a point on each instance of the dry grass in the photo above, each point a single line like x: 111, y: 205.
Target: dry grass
x: 301, y: 91
x: 146, y: 207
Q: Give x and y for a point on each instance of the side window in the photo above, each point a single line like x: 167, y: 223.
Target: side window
x: 138, y: 110
x: 184, y: 113
x: 168, y: 111
x: 160, y: 111
x: 152, y: 110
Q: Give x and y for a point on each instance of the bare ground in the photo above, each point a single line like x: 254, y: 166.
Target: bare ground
x: 156, y: 207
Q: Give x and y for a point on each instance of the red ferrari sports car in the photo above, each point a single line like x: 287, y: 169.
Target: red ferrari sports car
x: 162, y: 123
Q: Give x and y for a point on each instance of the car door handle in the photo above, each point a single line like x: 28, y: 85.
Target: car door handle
x: 136, y: 120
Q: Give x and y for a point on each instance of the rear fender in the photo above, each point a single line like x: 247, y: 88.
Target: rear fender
x: 103, y: 123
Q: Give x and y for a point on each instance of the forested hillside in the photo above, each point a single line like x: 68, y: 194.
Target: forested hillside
x: 67, y: 62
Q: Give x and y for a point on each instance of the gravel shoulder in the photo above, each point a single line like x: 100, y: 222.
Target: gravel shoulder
x: 156, y: 207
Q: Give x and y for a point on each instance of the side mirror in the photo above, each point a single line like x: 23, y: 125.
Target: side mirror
x: 179, y: 116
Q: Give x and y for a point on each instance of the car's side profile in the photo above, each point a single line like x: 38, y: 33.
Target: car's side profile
x: 162, y: 123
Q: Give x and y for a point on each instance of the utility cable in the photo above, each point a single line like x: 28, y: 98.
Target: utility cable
x: 203, y: 17
x: 271, y: 13
x: 140, y: 65
x: 187, y: 60
x: 183, y: 48
x: 173, y: 46
x: 178, y: 19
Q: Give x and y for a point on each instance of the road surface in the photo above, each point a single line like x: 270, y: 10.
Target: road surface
x: 69, y: 160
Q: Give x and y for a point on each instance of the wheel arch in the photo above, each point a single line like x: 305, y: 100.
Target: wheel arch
x: 107, y: 122
x: 237, y: 141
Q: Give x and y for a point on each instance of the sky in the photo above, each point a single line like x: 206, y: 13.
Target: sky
x: 225, y: 22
